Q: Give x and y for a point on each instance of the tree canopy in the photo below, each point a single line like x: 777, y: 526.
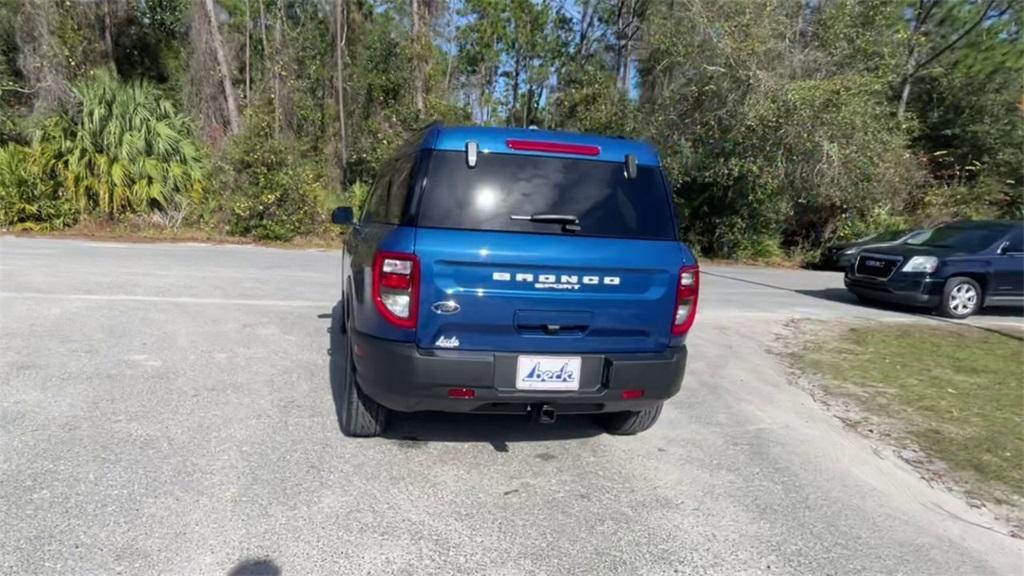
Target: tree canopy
x: 782, y: 124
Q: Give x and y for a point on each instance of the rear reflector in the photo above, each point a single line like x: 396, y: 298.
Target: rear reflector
x: 632, y: 394
x: 465, y: 393
x: 553, y: 147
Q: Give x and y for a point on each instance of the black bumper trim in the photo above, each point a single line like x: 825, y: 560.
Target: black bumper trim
x: 909, y: 291
x: 405, y: 378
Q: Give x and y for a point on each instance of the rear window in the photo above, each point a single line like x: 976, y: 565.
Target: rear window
x: 967, y: 238
x: 506, y: 185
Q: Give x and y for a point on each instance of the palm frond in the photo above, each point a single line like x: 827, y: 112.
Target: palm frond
x: 117, y: 154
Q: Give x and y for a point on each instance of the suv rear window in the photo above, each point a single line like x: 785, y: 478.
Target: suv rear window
x: 503, y: 185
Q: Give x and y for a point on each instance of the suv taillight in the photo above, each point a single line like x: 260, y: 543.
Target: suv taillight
x: 396, y: 287
x: 687, y: 289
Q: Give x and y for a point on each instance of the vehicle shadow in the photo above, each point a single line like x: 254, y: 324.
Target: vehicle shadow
x: 498, y: 430
x: 843, y: 296
x: 259, y: 567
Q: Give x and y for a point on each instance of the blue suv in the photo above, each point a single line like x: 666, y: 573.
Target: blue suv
x: 513, y: 271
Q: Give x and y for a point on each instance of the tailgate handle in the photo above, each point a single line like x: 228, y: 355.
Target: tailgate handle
x: 553, y: 329
x: 553, y: 322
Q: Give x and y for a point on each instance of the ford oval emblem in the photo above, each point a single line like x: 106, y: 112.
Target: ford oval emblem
x: 446, y: 307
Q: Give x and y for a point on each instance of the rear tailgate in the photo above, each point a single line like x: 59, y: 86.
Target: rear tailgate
x: 545, y: 292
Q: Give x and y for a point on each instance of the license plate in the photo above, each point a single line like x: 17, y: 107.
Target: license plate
x: 548, y: 373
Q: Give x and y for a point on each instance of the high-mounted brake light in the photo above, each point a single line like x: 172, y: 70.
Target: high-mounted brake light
x: 687, y: 290
x: 396, y: 287
x: 553, y: 147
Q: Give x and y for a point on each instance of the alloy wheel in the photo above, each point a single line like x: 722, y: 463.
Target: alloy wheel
x: 963, y: 299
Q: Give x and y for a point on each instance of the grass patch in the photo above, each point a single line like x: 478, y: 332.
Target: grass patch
x: 956, y: 392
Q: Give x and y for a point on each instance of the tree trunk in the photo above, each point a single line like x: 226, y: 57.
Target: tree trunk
x: 450, y: 36
x: 417, y: 58
x: 515, y: 89
x: 904, y: 98
x: 225, y: 71
x: 108, y: 30
x: 277, y: 72
x: 908, y: 79
x: 626, y: 66
x: 619, y: 32
x: 248, y: 53
x: 340, y: 35
x: 263, y: 30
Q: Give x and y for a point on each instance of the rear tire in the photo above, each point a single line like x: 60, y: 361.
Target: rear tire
x: 629, y: 423
x: 960, y: 298
x: 359, y: 416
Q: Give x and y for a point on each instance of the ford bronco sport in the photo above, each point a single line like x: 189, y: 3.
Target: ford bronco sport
x: 497, y: 270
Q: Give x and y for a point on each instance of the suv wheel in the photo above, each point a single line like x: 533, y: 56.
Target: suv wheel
x: 960, y: 298
x: 358, y: 414
x: 629, y: 423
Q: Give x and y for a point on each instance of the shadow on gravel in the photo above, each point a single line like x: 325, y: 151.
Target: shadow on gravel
x: 416, y: 429
x: 843, y: 296
x: 498, y: 430
x: 261, y: 567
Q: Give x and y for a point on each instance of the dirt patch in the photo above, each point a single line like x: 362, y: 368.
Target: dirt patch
x: 135, y: 233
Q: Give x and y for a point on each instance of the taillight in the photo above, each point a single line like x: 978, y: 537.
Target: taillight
x: 396, y: 283
x: 687, y: 289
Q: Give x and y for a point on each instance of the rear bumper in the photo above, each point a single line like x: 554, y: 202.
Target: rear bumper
x: 911, y: 289
x: 405, y: 378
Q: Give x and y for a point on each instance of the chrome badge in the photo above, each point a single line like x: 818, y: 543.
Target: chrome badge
x: 447, y: 342
x: 446, y: 307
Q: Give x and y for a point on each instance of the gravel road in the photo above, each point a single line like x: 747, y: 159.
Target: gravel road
x: 165, y: 409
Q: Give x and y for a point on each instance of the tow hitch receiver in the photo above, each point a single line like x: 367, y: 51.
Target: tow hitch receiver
x: 543, y: 413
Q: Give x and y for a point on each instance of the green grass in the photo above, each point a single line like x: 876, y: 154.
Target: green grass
x: 955, y: 391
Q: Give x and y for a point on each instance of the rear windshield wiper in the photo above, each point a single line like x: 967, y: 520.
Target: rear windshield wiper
x: 569, y: 222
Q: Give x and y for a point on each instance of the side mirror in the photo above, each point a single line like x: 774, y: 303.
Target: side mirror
x: 1009, y: 248
x: 343, y: 216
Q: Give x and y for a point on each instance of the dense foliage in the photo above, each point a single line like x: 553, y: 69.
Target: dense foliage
x: 270, y: 191
x: 783, y: 124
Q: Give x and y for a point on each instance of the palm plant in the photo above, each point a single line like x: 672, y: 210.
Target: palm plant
x: 29, y: 199
x: 123, y: 149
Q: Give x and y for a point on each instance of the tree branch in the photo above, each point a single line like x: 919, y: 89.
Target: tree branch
x: 17, y: 89
x: 956, y: 40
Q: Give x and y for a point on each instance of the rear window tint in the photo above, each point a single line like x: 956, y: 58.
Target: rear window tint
x: 503, y: 185
x: 399, y: 190
x: 377, y: 204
